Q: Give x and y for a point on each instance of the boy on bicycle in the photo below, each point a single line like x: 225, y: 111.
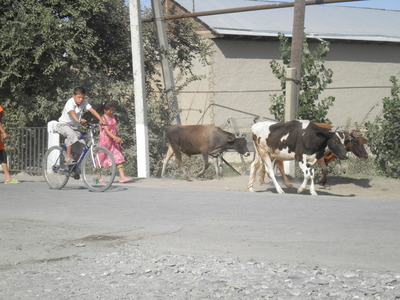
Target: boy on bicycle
x: 71, y: 118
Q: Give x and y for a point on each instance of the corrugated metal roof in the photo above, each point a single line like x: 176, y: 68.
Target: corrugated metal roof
x: 321, y: 21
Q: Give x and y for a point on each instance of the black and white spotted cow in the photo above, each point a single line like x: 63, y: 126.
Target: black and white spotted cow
x: 300, y: 140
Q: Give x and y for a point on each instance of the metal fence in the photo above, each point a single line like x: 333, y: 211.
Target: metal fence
x: 26, y: 148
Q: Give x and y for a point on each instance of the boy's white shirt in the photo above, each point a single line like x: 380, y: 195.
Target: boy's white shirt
x: 79, y: 110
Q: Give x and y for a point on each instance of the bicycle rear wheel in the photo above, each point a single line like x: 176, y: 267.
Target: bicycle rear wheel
x: 98, y: 169
x: 54, y: 170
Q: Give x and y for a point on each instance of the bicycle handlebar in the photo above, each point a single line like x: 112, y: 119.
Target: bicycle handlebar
x: 91, y: 125
x: 94, y: 124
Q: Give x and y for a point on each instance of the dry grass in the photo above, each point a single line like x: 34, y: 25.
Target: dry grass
x: 353, y: 167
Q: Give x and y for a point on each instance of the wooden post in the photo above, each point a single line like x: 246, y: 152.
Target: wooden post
x: 168, y: 76
x: 293, y: 74
x: 291, y: 95
x: 297, y: 50
x: 290, y: 110
x: 142, y: 139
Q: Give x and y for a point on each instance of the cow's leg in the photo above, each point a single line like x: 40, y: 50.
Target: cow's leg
x: 217, y: 166
x: 281, y: 168
x: 221, y: 166
x: 179, y: 162
x: 255, y: 165
x: 205, y: 165
x: 279, y: 165
x: 168, y: 156
x: 308, y: 173
x: 271, y: 173
x: 262, y: 174
x: 324, y: 167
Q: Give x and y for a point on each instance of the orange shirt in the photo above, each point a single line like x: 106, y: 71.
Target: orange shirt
x: 1, y: 139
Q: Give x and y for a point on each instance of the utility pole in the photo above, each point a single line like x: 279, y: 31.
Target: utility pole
x: 295, y: 59
x: 293, y: 74
x: 168, y: 76
x: 142, y: 137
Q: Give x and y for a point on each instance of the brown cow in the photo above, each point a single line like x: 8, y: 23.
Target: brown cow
x: 200, y: 139
x: 354, y: 142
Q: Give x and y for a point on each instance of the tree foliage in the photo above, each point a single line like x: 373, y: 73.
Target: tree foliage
x: 47, y: 47
x: 314, y: 79
x: 384, y: 134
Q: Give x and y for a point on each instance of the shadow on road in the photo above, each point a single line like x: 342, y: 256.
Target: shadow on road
x: 361, y: 182
x: 333, y: 180
x: 293, y: 190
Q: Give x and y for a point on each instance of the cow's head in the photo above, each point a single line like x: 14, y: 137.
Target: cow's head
x: 240, y: 145
x: 336, y: 144
x: 355, y: 143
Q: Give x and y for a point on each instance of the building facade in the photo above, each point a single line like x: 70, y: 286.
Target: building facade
x: 364, y: 54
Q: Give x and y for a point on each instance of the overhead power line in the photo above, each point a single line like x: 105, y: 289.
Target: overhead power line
x: 244, y: 9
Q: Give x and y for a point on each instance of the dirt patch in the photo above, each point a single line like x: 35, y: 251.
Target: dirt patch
x: 371, y: 187
x: 102, y: 237
x: 354, y: 186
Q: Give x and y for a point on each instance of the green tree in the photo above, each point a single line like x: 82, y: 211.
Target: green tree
x: 384, y: 134
x: 47, y: 47
x: 314, y: 79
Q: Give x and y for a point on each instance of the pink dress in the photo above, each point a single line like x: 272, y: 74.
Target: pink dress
x: 107, y: 142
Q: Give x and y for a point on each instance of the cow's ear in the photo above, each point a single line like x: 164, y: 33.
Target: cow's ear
x: 325, y: 134
x: 230, y: 139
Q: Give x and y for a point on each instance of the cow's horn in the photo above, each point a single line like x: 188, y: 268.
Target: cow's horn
x: 337, y: 128
x: 334, y: 129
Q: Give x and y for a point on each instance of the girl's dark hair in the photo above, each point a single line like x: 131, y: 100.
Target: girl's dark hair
x: 103, y: 106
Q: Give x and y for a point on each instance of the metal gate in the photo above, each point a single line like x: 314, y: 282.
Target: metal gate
x: 26, y: 148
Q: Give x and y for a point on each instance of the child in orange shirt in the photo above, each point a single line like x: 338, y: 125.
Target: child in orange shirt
x: 3, y: 153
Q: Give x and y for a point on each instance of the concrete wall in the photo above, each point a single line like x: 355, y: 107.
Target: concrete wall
x: 240, y: 81
x: 361, y: 75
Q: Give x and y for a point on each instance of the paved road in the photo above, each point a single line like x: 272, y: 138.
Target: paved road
x: 37, y: 223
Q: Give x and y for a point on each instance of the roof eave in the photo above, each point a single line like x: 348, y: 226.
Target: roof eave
x: 336, y: 37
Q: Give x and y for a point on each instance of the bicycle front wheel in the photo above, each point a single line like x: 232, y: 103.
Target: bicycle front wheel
x: 54, y: 170
x: 98, y: 169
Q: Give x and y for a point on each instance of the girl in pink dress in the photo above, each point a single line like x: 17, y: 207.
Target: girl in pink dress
x: 109, y: 139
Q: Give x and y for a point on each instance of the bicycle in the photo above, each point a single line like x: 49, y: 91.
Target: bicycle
x: 98, y: 165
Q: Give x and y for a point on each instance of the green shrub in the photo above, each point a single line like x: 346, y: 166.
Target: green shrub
x: 384, y: 134
x: 314, y: 79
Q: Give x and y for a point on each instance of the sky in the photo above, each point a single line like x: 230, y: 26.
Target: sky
x: 385, y: 4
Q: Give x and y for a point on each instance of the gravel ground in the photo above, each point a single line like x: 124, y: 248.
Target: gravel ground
x: 129, y: 272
